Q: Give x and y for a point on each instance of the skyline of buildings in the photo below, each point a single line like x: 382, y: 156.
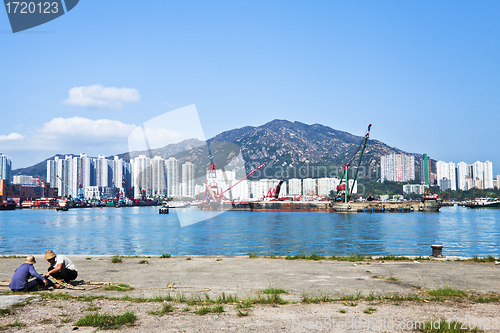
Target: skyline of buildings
x: 465, y: 176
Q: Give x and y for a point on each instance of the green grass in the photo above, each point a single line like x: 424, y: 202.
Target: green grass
x: 167, y: 308
x: 16, y: 324
x: 274, y: 291
x: 343, y: 311
x: 445, y: 326
x: 447, y: 292
x: 253, y: 255
x: 65, y: 319
x: 88, y: 258
x: 487, y: 299
x: 483, y: 259
x: 188, y: 258
x: 143, y: 262
x: 5, y: 311
x: 104, y: 321
x: 305, y: 257
x: 370, y: 310
x: 165, y: 256
x: 243, y: 313
x: 116, y: 260
x: 393, y: 278
x: 186, y: 309
x: 206, y: 309
x: 118, y: 287
x: 349, y: 258
x: 218, y: 259
x: 93, y: 307
x: 402, y: 258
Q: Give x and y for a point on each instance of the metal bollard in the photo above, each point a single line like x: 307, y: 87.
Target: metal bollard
x: 437, y: 251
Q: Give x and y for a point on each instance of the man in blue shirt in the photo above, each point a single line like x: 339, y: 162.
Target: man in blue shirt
x: 19, y: 281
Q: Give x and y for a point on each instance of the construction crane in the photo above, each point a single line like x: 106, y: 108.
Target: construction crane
x: 343, y: 191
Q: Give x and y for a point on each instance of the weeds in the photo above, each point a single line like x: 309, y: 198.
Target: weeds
x: 370, y: 310
x: 165, y: 256
x: 142, y: 262
x: 107, y: 321
x: 205, y: 309
x: 393, y: 278
x: 5, y: 311
x: 118, y: 287
x: 343, y: 311
x: 274, y: 291
x: 242, y: 314
x: 116, y: 260
x: 253, y: 255
x: 167, y: 308
x: 16, y: 324
x: 447, y: 291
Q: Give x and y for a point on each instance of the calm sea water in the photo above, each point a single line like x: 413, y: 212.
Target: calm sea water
x: 141, y: 230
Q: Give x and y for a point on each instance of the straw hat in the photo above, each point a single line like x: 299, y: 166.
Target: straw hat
x: 49, y: 255
x: 30, y: 260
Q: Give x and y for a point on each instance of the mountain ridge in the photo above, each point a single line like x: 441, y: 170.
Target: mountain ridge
x: 281, y: 144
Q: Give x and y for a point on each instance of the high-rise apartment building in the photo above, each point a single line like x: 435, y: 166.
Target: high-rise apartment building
x: 461, y: 176
x: 425, y: 169
x: 5, y: 167
x: 488, y: 175
x: 173, y: 177
x: 295, y: 186
x: 187, y: 186
x: 446, y: 175
x: 141, y: 176
x: 158, y: 177
x: 397, y: 167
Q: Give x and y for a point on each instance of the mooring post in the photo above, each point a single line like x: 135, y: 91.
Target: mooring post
x: 437, y: 251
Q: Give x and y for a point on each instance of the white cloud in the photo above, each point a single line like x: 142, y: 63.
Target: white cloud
x: 85, y: 129
x: 11, y: 137
x: 104, y: 97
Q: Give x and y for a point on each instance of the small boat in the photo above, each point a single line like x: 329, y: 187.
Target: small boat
x: 164, y: 210
x: 9, y: 205
x: 483, y: 203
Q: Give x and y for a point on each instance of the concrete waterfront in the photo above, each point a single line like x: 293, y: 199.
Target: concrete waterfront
x: 247, y: 277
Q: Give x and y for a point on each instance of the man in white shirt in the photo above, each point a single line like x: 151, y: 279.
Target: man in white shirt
x: 61, y: 267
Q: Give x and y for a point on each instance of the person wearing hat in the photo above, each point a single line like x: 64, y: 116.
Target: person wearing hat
x: 61, y: 267
x: 19, y: 281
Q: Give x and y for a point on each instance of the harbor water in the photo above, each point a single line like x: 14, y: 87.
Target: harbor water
x: 142, y: 231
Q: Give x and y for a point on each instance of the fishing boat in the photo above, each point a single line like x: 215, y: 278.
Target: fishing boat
x: 483, y: 203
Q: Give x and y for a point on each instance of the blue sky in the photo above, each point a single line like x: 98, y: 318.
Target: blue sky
x: 426, y: 74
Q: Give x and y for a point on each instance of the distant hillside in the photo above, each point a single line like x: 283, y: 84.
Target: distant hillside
x: 289, y: 149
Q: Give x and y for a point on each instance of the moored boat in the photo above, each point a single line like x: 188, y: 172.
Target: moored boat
x: 483, y: 203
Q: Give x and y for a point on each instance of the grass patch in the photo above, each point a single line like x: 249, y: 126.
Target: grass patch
x: 487, y: 299
x: 350, y: 258
x: 243, y: 313
x: 253, y: 255
x: 88, y: 258
x: 343, y: 311
x: 393, y: 278
x: 93, y: 307
x: 5, y: 311
x: 16, y: 324
x: 489, y: 258
x: 447, y: 292
x: 370, y: 310
x: 305, y: 257
x: 65, y: 319
x: 118, y: 287
x: 218, y: 259
x: 188, y: 258
x: 186, y: 309
x: 445, y: 326
x: 165, y: 256
x: 107, y: 321
x: 116, y: 260
x: 167, y: 308
x: 402, y: 258
x: 318, y: 299
x: 206, y: 309
x: 274, y: 291
x: 142, y: 262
